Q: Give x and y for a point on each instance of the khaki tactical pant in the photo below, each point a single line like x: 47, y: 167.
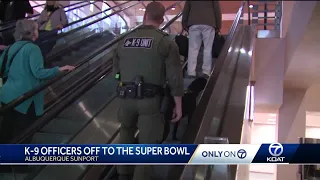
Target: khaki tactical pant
x: 144, y: 114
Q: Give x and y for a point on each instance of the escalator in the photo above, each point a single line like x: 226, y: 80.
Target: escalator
x: 10, y: 25
x: 79, y: 42
x: 89, y: 113
x: 91, y: 117
x: 76, y: 31
x: 84, y: 47
x: 64, y: 126
x: 86, y: 64
x: 84, y: 34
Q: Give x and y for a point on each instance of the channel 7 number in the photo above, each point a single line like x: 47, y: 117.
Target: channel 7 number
x: 27, y: 151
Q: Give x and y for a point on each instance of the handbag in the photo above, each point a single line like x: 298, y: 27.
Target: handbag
x: 183, y: 43
x: 3, y: 79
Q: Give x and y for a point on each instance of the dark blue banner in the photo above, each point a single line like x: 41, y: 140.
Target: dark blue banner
x: 288, y: 153
x: 160, y: 154
x: 96, y: 154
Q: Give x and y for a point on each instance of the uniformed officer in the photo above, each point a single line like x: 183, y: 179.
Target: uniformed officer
x: 143, y: 61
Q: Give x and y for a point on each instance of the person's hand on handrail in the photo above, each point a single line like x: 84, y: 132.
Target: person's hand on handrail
x: 60, y: 26
x: 66, y: 68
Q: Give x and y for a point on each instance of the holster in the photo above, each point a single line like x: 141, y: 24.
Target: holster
x: 132, y: 91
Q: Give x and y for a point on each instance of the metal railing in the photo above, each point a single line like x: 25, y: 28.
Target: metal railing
x: 266, y: 16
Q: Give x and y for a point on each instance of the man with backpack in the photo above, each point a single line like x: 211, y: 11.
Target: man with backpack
x: 202, y: 19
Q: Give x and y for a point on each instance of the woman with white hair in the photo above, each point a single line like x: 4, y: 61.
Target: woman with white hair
x: 52, y: 19
x: 22, y: 70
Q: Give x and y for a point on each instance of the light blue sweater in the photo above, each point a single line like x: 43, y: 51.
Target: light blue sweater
x: 26, y: 73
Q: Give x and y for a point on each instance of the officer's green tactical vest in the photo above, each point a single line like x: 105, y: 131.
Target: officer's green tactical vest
x: 141, y: 54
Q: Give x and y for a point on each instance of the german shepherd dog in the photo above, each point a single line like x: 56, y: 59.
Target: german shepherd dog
x: 189, y: 103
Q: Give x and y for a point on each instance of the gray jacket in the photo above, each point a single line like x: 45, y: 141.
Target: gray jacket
x: 58, y: 17
x: 202, y: 12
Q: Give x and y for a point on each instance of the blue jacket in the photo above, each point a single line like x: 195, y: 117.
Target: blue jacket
x: 26, y: 73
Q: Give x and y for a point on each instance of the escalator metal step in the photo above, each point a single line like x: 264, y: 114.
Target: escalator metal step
x: 10, y: 176
x: 62, y: 126
x: 47, y: 138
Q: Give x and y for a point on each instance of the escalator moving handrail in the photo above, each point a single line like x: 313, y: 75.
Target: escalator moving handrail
x: 42, y: 121
x: 14, y: 25
x: 56, y: 37
x: 87, y: 58
x: 38, y: 5
x: 31, y: 93
x: 48, y: 116
x: 74, y: 85
x: 192, y: 132
x: 171, y: 21
x: 64, y: 7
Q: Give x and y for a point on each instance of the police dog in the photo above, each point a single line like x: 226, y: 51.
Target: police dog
x: 189, y: 103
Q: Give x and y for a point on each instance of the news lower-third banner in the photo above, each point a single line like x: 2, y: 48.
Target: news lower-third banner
x: 170, y: 154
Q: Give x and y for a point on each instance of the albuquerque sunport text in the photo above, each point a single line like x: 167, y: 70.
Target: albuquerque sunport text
x: 92, y: 153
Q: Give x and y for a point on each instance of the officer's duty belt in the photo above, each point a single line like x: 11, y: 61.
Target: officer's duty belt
x: 149, y: 90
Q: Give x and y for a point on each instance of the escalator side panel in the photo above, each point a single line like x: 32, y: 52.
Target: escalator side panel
x: 99, y: 131
x: 62, y: 126
x: 79, y: 110
x: 49, y: 138
x: 233, y: 120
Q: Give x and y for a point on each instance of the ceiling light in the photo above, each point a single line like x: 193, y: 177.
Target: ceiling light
x: 140, y: 9
x: 143, y: 9
x: 173, y: 8
x: 251, y: 6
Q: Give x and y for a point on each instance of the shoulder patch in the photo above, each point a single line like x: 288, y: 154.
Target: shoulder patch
x: 138, y: 42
